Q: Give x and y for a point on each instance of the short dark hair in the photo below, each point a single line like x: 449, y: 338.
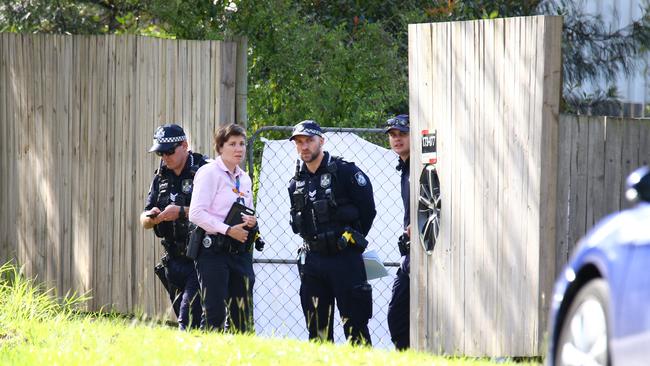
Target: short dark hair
x: 224, y: 133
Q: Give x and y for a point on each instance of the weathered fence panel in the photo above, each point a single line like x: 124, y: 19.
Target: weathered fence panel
x: 77, y: 115
x: 491, y: 91
x: 596, y: 154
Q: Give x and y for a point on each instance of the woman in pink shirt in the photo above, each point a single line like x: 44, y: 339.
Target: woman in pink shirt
x: 225, y: 261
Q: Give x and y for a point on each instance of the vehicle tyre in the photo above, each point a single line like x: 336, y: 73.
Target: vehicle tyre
x: 584, y: 334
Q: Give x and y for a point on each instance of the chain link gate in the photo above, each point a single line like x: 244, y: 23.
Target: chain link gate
x: 271, y: 164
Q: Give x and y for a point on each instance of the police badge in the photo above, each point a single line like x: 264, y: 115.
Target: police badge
x: 186, y: 186
x: 160, y: 133
x: 325, y: 180
x: 207, y: 242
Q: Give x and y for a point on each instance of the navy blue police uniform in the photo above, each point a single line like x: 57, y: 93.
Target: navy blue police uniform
x: 226, y: 274
x: 335, y: 199
x: 176, y: 271
x: 398, y: 308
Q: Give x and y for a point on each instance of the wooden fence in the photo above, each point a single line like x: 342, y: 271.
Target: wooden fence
x: 490, y: 89
x: 77, y: 118
x: 596, y: 154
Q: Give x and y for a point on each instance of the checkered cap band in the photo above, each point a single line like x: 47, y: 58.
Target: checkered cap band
x: 167, y: 140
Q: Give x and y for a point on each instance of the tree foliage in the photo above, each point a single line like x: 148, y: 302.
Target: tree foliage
x: 341, y: 62
x: 300, y: 67
x: 593, y: 52
x: 71, y: 17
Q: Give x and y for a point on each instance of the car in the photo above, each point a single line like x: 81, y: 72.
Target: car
x: 600, y: 309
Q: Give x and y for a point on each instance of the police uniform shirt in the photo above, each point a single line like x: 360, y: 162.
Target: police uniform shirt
x: 405, y: 189
x: 352, y: 193
x: 167, y: 188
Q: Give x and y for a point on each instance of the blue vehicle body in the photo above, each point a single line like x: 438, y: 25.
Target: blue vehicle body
x: 616, y: 250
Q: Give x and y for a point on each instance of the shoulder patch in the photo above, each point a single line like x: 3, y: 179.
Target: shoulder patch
x: 360, y: 178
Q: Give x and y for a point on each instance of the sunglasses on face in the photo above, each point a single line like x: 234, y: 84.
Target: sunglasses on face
x: 171, y: 151
x: 397, y: 122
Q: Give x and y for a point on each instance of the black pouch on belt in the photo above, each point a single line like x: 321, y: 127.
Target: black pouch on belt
x: 196, y: 239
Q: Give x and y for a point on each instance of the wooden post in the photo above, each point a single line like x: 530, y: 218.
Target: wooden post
x: 241, y: 82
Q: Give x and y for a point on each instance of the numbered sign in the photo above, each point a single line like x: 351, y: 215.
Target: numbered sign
x: 429, y: 151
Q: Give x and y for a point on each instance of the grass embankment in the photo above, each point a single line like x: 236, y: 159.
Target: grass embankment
x: 36, y: 329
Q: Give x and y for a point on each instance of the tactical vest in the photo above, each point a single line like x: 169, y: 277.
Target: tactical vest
x: 176, y: 231
x: 325, y: 217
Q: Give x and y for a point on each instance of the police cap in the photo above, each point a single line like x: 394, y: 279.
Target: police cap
x: 167, y: 137
x: 399, y: 122
x: 306, y: 128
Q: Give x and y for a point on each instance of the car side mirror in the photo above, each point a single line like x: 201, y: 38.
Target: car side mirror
x: 638, y: 185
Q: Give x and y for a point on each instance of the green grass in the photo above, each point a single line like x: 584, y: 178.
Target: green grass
x: 36, y: 329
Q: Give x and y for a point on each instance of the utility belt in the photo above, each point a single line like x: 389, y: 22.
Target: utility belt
x: 174, y: 248
x: 334, y: 242
x: 220, y: 243
x: 324, y: 243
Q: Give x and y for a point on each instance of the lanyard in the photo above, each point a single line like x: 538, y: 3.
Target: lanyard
x: 240, y: 198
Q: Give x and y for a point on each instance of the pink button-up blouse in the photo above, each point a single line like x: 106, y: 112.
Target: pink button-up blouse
x: 214, y: 193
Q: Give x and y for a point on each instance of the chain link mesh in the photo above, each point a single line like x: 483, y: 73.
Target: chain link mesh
x: 272, y: 161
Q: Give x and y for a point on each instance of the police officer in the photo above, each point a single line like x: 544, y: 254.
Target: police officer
x: 397, y: 129
x: 166, y: 212
x: 332, y: 208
